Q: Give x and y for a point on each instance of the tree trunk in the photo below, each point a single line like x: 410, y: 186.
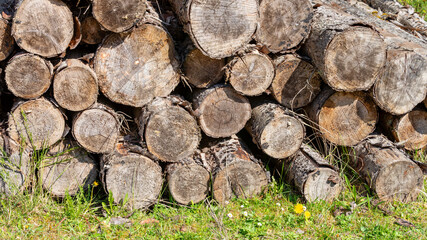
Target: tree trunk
x: 221, y: 111
x: 91, y: 31
x: 75, y: 87
x: 43, y: 27
x: 133, y: 68
x: 6, y: 40
x: 219, y: 28
x: 275, y: 130
x: 348, y: 52
x: 343, y: 118
x: 283, y: 25
x: 387, y: 170
x: 250, y: 74
x: 169, y: 131
x: 296, y: 83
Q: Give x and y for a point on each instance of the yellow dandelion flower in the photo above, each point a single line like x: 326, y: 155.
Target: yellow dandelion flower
x: 299, y: 208
x: 95, y: 184
x: 307, y: 215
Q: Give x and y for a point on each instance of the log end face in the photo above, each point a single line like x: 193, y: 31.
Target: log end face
x: 202, y: 71
x: 91, y: 31
x: 412, y: 130
x: 323, y: 184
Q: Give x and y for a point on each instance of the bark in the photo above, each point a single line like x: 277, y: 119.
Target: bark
x: 77, y: 36
x: 91, y: 31
x: 7, y: 42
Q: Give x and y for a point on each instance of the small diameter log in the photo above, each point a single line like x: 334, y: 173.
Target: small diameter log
x: 296, y: 82
x: 283, y: 25
x: 221, y: 111
x: 349, y: 54
x: 276, y: 132
x: 91, y: 31
x: 169, y: 131
x: 387, y: 170
x: 6, y: 40
x: 133, y: 68
x: 97, y: 129
x: 219, y: 28
x: 75, y: 87
x: 37, y: 123
x: 28, y: 76
x: 250, y: 74
x: 68, y: 168
x: 343, y: 118
x: 43, y: 27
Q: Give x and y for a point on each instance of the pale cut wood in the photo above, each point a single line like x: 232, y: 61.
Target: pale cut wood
x: 296, y: 82
x: 387, y: 170
x: 283, y: 25
x: 37, y: 123
x: 343, y: 118
x: 219, y: 28
x: 7, y: 42
x: 133, y: 68
x: 28, y: 76
x: 221, y: 111
x: 75, y: 87
x: 91, y: 31
x: 43, y: 27
x: 250, y: 74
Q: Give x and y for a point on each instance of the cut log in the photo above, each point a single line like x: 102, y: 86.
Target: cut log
x: 6, y: 40
x: 387, y: 170
x: 28, y: 76
x: 283, y: 25
x: 296, y: 82
x: 77, y: 36
x: 276, y: 132
x: 221, y: 111
x: 348, y: 52
x: 250, y: 74
x: 96, y: 129
x: 169, y: 131
x: 68, y: 168
x: 118, y: 15
x: 43, y: 27
x: 36, y: 123
x: 219, y: 28
x: 91, y: 31
x: 343, y: 118
x: 75, y: 87
x: 135, y: 67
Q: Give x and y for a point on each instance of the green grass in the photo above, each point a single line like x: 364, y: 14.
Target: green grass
x: 419, y: 5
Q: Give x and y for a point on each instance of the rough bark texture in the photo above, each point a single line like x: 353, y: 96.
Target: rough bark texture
x: 219, y: 28
x: 283, y: 25
x: 43, y: 27
x: 221, y: 111
x: 296, y: 82
x: 387, y: 170
x: 75, y: 87
x: 133, y: 68
x: 7, y: 42
x: 28, y: 76
x: 91, y: 31
x: 77, y: 36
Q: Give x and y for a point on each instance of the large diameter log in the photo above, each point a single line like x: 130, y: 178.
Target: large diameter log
x: 283, y: 25
x: 250, y: 74
x: 91, y: 31
x: 219, y: 28
x: 43, y: 27
x: 387, y: 170
x: 276, y: 132
x: 221, y: 111
x: 6, y: 40
x: 75, y: 87
x: 37, y: 123
x: 133, y: 68
x: 343, y: 118
x: 296, y: 82
x: 28, y: 76
x: 169, y: 131
x: 350, y: 55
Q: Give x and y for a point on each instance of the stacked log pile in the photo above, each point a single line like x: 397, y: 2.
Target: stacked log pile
x: 200, y: 96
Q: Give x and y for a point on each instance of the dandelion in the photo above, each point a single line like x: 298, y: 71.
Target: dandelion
x: 278, y: 204
x: 95, y: 184
x: 230, y: 215
x: 245, y: 213
x: 307, y: 215
x: 259, y: 224
x: 299, y: 208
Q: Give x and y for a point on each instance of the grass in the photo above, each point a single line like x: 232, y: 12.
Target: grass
x: 419, y: 5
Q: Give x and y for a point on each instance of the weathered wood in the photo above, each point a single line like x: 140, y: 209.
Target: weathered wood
x: 133, y: 68
x: 296, y: 82
x: 250, y: 74
x: 219, y: 28
x: 276, y: 132
x: 77, y: 36
x: 7, y: 42
x: 28, y: 76
x: 91, y: 31
x: 169, y: 131
x: 283, y: 25
x: 36, y: 123
x: 221, y: 111
x: 387, y: 170
x: 343, y: 118
x: 118, y: 15
x: 75, y: 87
x: 43, y: 27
